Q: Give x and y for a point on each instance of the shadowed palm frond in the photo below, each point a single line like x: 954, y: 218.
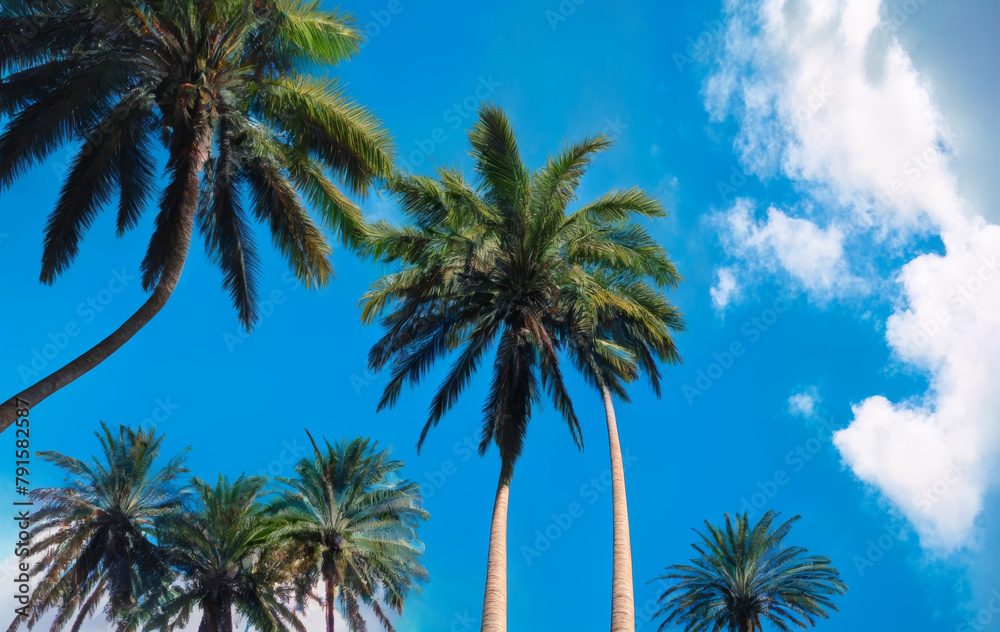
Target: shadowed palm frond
x: 744, y: 575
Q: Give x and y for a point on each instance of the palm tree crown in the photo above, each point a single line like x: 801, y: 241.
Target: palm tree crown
x: 501, y: 263
x: 497, y: 262
x: 353, y: 523
x: 224, y: 562
x: 744, y: 576
x: 245, y: 136
x: 94, y: 534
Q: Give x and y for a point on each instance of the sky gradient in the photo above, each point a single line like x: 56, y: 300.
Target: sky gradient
x: 770, y: 133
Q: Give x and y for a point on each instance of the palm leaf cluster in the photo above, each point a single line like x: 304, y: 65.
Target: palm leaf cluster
x: 353, y: 524
x: 225, y: 558
x: 500, y: 264
x: 213, y: 87
x: 94, y: 535
x: 129, y: 539
x: 746, y: 576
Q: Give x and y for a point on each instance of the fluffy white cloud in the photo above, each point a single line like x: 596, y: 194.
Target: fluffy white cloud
x: 825, y: 95
x: 811, y: 256
x: 825, y: 98
x: 803, y: 404
x: 932, y: 457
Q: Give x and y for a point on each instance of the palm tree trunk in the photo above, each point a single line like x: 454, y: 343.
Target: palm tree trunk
x: 226, y: 616
x: 495, y: 601
x: 37, y: 392
x: 331, y: 594
x: 622, y: 595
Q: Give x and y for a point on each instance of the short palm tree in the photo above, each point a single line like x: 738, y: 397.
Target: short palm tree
x: 93, y: 536
x: 354, y: 524
x: 245, y: 136
x: 500, y: 262
x: 745, y: 576
x: 225, y: 563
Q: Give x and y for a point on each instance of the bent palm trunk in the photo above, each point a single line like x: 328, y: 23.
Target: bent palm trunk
x: 622, y: 596
x: 37, y: 392
x: 495, y: 600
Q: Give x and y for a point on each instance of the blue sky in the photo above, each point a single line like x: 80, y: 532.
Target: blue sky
x: 775, y: 224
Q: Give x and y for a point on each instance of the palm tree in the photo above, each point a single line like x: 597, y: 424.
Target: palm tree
x: 93, y: 535
x: 225, y: 561
x: 499, y: 261
x: 246, y: 136
x: 617, y: 325
x: 743, y: 576
x: 353, y: 523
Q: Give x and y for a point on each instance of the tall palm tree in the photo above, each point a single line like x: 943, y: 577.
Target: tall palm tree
x: 618, y: 325
x: 354, y: 524
x: 496, y: 261
x: 225, y: 562
x: 744, y: 576
x: 93, y: 535
x: 246, y: 136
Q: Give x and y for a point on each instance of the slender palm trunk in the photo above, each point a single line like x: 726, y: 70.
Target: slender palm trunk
x: 622, y: 595
x: 37, y: 392
x: 495, y: 601
x: 330, y: 579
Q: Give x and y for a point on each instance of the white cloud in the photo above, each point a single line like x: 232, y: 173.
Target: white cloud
x: 803, y: 404
x: 811, y: 256
x: 725, y: 290
x: 821, y: 101
x: 824, y: 97
x: 932, y: 457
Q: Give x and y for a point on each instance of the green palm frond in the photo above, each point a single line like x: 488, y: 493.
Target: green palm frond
x: 353, y: 522
x: 95, y: 536
x: 108, y: 77
x: 226, y: 561
x: 744, y: 574
x: 501, y: 266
